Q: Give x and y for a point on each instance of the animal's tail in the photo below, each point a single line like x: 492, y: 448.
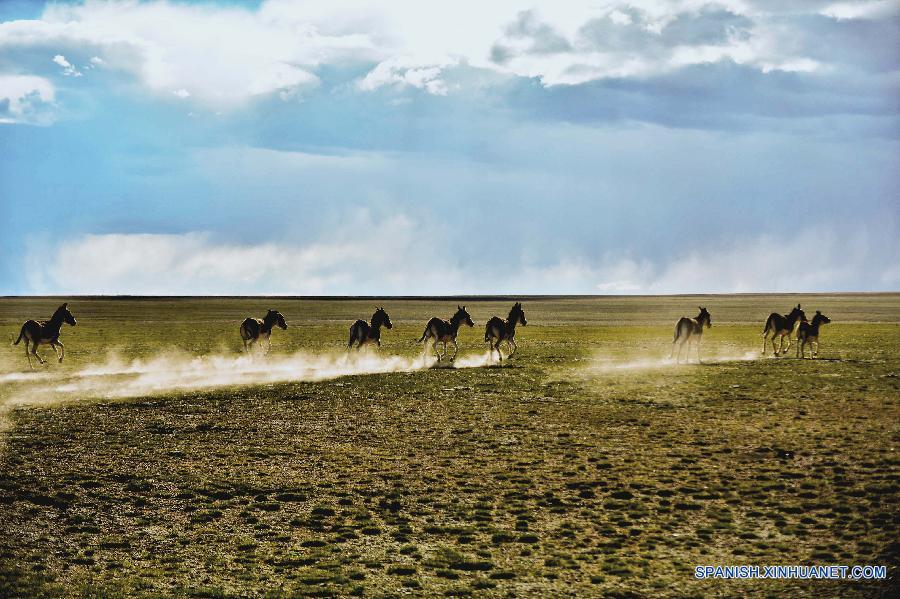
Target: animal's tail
x: 677, y: 332
x: 424, y: 334
x: 768, y: 324
x: 21, y: 334
x: 487, y: 333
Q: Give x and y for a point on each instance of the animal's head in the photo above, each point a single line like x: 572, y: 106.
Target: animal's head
x: 463, y: 316
x: 798, y: 314
x: 63, y: 312
x: 382, y: 317
x: 276, y: 317
x: 704, y: 318
x: 517, y: 314
x: 820, y: 318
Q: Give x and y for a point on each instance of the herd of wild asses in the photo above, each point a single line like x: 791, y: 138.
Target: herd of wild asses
x: 258, y: 331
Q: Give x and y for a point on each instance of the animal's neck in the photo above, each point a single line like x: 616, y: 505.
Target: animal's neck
x: 511, y: 322
x: 267, y: 325
x: 55, y: 323
x: 792, y: 318
x: 376, y: 324
x: 455, y: 322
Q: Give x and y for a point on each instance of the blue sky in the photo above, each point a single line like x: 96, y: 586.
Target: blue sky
x: 276, y: 147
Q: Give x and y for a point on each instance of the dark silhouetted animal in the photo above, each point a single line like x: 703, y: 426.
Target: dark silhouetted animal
x: 497, y: 331
x: 687, y: 330
x: 36, y: 332
x: 254, y: 330
x: 443, y: 331
x: 808, y: 332
x: 781, y: 327
x: 361, y: 332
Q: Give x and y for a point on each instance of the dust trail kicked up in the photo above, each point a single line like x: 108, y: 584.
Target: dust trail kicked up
x: 601, y: 364
x: 117, y: 378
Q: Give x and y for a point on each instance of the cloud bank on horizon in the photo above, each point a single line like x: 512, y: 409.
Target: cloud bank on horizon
x: 351, y: 147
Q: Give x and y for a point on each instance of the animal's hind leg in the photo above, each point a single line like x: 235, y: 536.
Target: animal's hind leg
x: 34, y: 348
x: 788, y: 345
x: 699, y: 361
x: 28, y: 354
x: 456, y: 349
x: 765, y: 341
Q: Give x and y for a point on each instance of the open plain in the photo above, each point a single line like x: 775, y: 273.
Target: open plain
x: 156, y: 461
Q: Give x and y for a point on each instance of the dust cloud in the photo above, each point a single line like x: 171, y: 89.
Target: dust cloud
x: 167, y: 373
x: 604, y: 364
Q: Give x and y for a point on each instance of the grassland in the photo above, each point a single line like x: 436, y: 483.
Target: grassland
x: 584, y: 466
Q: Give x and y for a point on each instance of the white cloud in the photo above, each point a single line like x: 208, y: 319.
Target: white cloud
x: 862, y: 9
x: 388, y: 258
x: 401, y: 72
x: 225, y: 55
x: 69, y: 69
x: 23, y: 99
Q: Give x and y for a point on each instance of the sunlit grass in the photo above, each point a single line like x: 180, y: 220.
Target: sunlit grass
x: 561, y: 472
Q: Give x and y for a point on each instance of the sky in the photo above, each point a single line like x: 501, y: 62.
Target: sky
x: 343, y: 147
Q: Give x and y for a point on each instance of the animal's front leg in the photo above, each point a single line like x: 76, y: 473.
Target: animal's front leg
x: 56, y: 350
x: 512, y: 343
x: 455, y: 349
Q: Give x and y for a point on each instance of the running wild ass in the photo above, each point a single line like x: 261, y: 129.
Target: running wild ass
x: 781, y: 327
x: 809, y: 333
x: 254, y: 330
x: 443, y: 331
x: 362, y: 332
x: 497, y: 331
x: 686, y: 329
x: 36, y: 332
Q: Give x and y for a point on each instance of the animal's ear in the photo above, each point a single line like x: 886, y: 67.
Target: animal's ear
x: 458, y: 307
x: 798, y: 306
x: 817, y: 312
x: 64, y: 304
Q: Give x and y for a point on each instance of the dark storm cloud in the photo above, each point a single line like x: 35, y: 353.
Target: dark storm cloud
x: 538, y: 38
x: 722, y: 95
